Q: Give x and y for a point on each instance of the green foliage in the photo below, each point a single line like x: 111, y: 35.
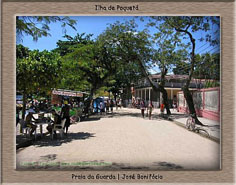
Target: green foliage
x: 37, y: 26
x: 210, y: 84
x: 208, y: 66
x: 127, y: 47
x: 182, y: 28
x: 180, y: 25
x: 70, y: 45
x: 72, y: 77
x: 85, y: 61
x: 36, y: 72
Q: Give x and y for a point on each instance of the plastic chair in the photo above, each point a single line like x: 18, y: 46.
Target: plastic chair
x: 59, y: 127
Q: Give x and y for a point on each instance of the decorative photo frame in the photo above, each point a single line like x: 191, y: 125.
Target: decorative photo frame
x: 11, y: 9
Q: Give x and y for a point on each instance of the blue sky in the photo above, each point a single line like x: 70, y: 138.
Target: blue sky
x: 95, y: 25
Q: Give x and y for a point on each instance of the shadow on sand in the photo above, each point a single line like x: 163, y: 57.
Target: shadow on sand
x: 47, y: 141
x: 166, y: 166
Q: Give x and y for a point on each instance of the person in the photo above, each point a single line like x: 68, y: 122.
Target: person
x: 65, y: 114
x: 150, y: 109
x: 111, y: 105
x: 28, y: 121
x: 142, y: 107
x: 119, y: 104
x: 101, y: 107
x: 117, y: 101
x: 107, y: 106
x: 57, y: 121
x: 162, y: 108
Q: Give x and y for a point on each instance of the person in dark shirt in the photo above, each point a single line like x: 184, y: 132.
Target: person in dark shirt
x: 65, y: 114
x: 142, y: 107
x: 111, y: 105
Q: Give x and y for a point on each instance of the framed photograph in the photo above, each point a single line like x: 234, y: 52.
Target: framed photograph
x: 118, y: 92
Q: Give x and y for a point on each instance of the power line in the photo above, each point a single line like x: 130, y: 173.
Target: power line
x: 207, y: 48
x: 213, y: 49
x: 202, y: 46
x: 206, y: 43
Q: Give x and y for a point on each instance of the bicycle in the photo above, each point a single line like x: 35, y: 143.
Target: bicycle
x: 190, y: 123
x: 191, y: 126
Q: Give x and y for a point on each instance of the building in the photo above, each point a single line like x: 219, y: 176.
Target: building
x: 173, y: 85
x: 206, y: 101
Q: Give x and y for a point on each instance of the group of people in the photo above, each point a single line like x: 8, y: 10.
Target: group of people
x: 108, y: 105
x: 30, y: 121
x: 149, y: 108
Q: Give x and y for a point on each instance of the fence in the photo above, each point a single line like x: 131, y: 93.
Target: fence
x: 206, y: 102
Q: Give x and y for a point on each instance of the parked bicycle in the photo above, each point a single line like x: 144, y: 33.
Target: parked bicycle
x: 191, y: 125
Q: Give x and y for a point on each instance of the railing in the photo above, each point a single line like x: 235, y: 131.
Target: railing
x: 170, y: 85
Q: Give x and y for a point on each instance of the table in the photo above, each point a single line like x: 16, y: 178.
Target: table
x: 41, y: 127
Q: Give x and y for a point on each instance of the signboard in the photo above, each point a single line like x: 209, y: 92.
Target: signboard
x: 67, y: 93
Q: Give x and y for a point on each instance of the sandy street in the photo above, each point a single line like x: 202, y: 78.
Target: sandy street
x: 123, y: 141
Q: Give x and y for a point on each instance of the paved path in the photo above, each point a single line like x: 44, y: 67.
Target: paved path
x: 213, y: 127
x: 123, y: 141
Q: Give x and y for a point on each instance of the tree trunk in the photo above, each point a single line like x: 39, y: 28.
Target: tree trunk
x: 187, y: 94
x: 160, y: 88
x: 114, y: 96
x: 163, y: 91
x: 165, y: 100
x: 89, y: 101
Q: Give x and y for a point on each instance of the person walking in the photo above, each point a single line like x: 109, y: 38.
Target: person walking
x: 150, y: 109
x: 142, y: 107
x: 65, y: 114
x: 162, y: 108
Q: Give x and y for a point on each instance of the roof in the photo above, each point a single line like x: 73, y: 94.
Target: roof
x: 180, y: 77
x: 171, y: 76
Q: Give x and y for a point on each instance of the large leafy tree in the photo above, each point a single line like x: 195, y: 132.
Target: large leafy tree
x: 87, y: 61
x: 126, y: 72
x: 135, y: 48
x: 36, y: 72
x: 38, y: 26
x: 131, y: 50
x: 184, y: 27
x: 72, y: 77
x: 85, y: 58
x: 166, y: 55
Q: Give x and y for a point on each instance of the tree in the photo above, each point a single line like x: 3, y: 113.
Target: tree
x: 37, y: 26
x: 90, y: 61
x: 166, y: 55
x: 207, y: 66
x: 184, y: 27
x: 126, y: 73
x: 135, y: 48
x: 131, y: 49
x: 36, y: 72
x: 72, y: 77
